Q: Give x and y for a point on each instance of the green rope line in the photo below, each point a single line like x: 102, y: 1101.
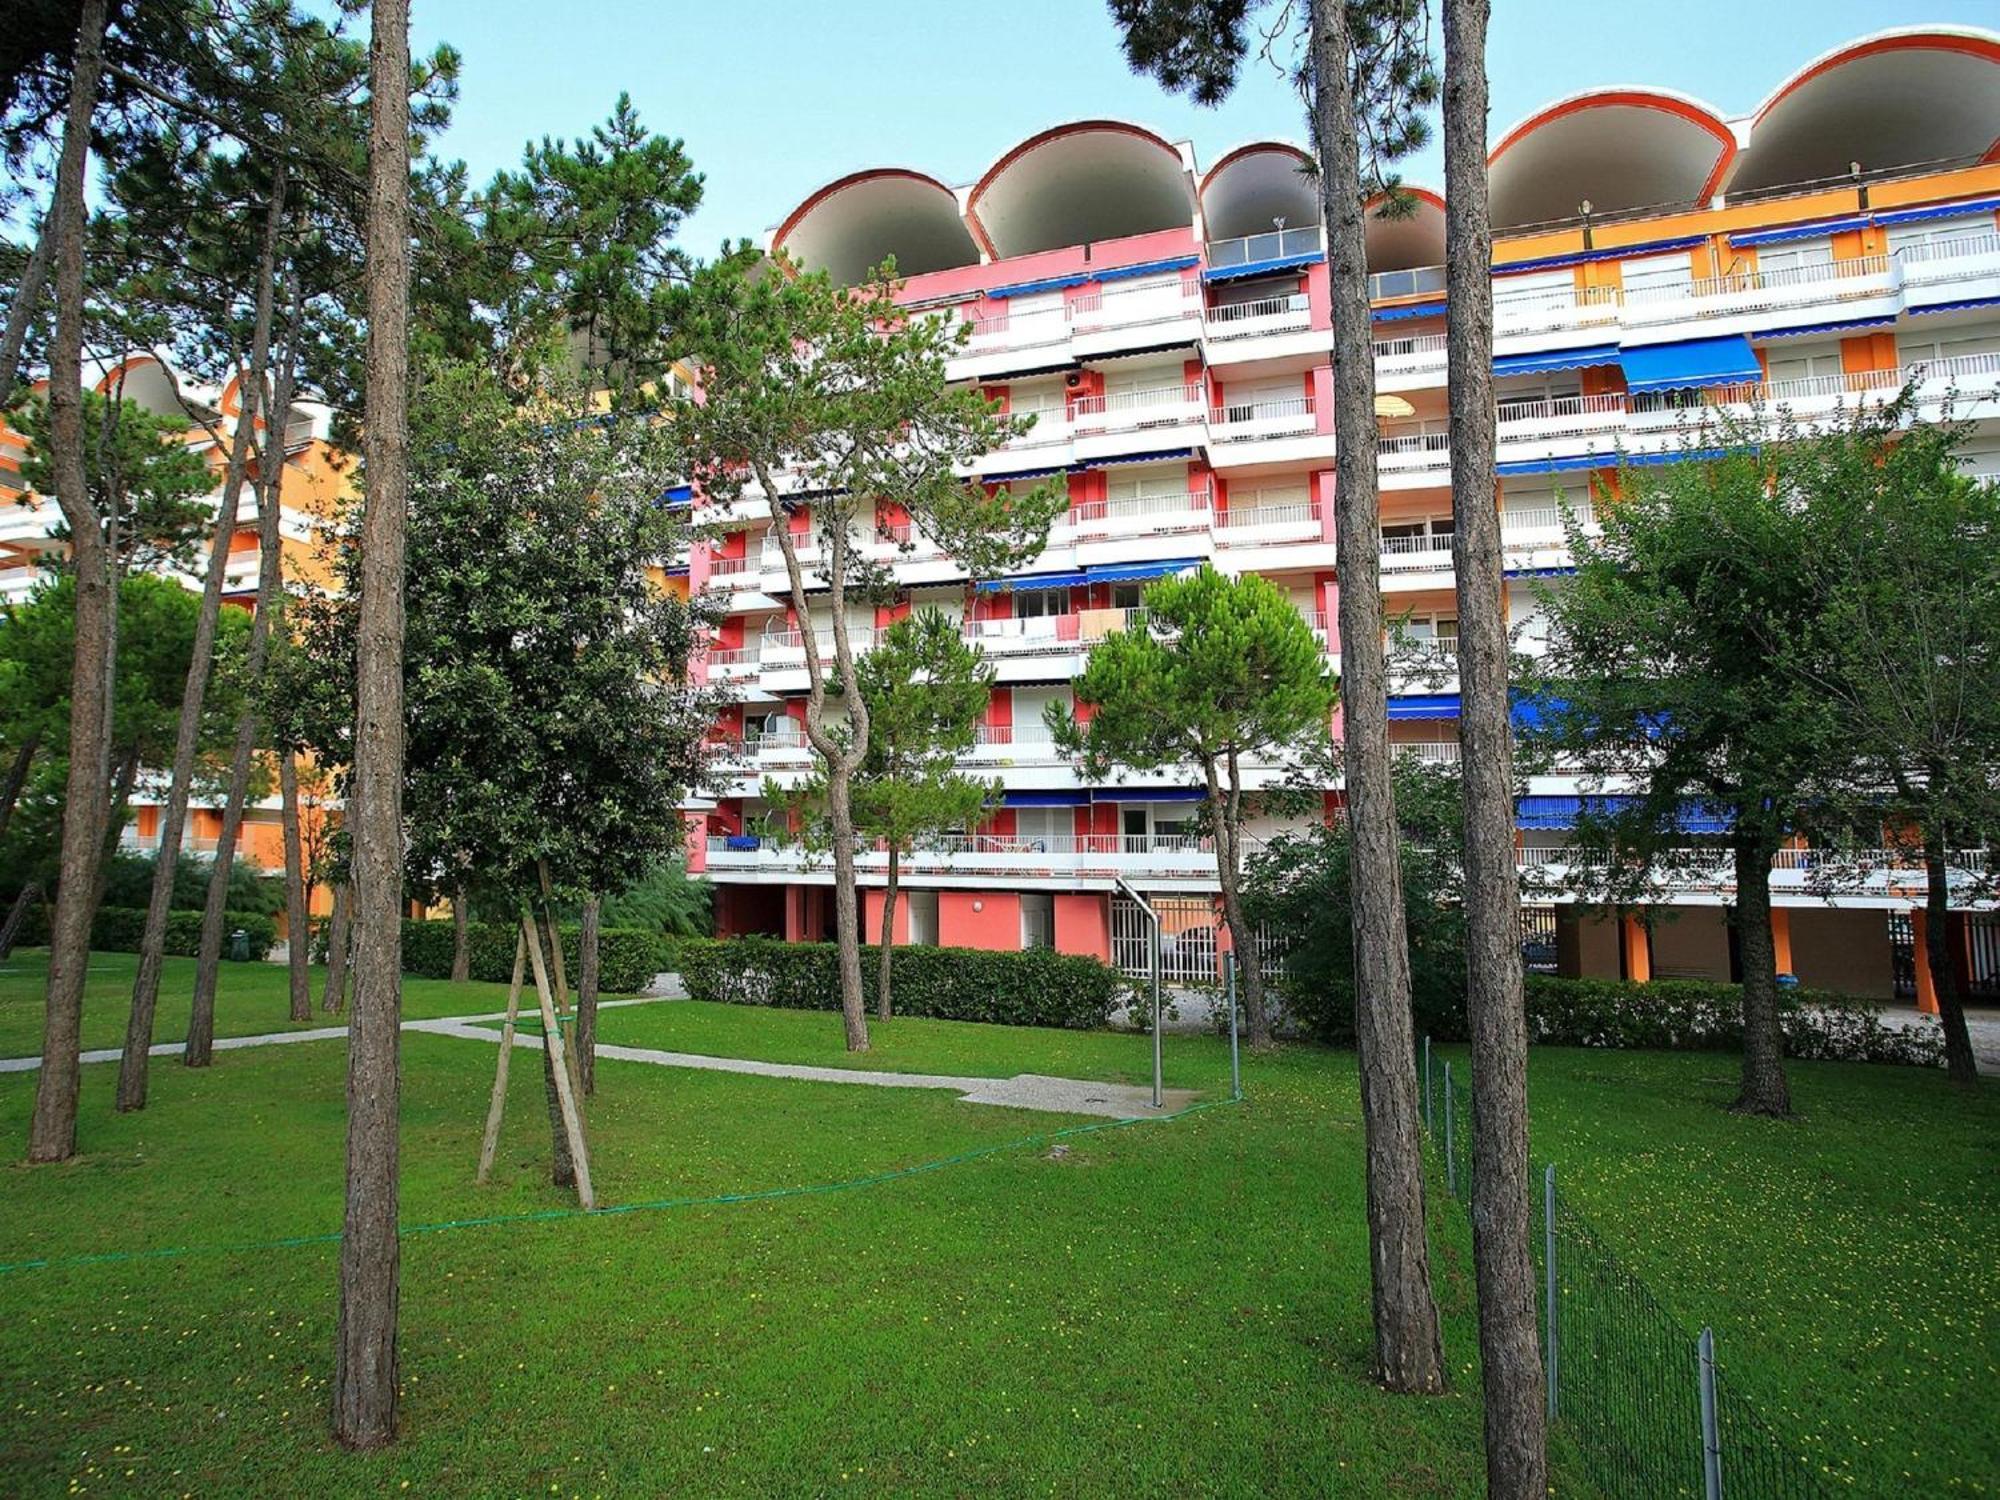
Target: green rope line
x: 655, y: 1205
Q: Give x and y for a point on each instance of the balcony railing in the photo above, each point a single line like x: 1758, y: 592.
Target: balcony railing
x: 1428, y: 752
x: 1274, y: 244
x: 1134, y: 305
x: 1242, y: 515
x: 1421, y: 348
x: 1414, y: 450
x: 1416, y: 553
x: 1959, y: 247
x: 1417, y: 281
x: 1245, y: 421
x: 1237, y: 320
x: 1157, y: 405
x: 1190, y: 505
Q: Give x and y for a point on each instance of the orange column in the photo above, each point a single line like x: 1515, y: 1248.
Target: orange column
x: 1637, y: 952
x: 1781, y: 938
x: 1926, y: 985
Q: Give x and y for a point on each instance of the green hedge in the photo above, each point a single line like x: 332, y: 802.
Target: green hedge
x: 1704, y: 1015
x: 117, y: 929
x: 627, y: 957
x: 1038, y: 987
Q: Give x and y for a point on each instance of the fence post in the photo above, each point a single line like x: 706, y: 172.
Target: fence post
x: 1235, y: 1062
x: 1430, y: 1120
x: 1450, y: 1155
x: 1549, y: 1276
x: 1711, y: 1437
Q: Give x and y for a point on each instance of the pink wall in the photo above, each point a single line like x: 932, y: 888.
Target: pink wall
x: 995, y: 925
x: 871, y: 921
x: 1070, y: 260
x: 1083, y: 923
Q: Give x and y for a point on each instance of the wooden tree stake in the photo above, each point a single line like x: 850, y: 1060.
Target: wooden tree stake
x: 499, y: 1105
x: 552, y: 1039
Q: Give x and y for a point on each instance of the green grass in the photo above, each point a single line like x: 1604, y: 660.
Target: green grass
x: 250, y: 1000
x: 1162, y: 1309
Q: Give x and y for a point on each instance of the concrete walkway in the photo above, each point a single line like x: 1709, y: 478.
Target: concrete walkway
x: 1068, y: 1096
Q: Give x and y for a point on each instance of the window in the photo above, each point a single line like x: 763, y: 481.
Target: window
x: 1127, y: 595
x: 1042, y: 829
x: 1523, y: 394
x: 1796, y: 256
x: 1935, y: 231
x: 1659, y: 275
x: 1543, y: 288
x: 1802, y: 361
x: 1946, y: 343
x: 1040, y: 604
x: 1038, y: 919
x: 1046, y: 397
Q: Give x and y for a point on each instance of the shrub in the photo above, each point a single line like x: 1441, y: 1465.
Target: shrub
x: 128, y: 881
x: 117, y: 929
x: 627, y: 958
x: 1705, y: 1015
x: 1037, y: 987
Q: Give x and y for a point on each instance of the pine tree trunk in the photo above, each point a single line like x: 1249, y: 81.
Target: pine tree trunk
x: 1764, y: 1091
x: 339, y: 942
x: 1409, y: 1352
x: 846, y: 909
x: 17, y: 778
x: 586, y: 994
x: 461, y: 938
x: 200, y: 1049
x: 17, y: 914
x: 21, y: 310
x: 1946, y: 977
x: 132, y: 1065
x: 1496, y: 1006
x: 1242, y: 937
x: 365, y: 1373
x: 885, y: 960
x: 297, y: 927
x: 116, y: 806
x: 52, y: 1131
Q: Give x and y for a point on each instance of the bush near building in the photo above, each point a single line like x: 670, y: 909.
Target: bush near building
x: 116, y: 929
x: 1033, y: 987
x: 627, y: 957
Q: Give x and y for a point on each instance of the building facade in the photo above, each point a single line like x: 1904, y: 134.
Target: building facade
x: 1167, y: 322
x: 317, y: 474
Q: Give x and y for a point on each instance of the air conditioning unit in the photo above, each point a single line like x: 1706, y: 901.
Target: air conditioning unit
x: 1073, y: 379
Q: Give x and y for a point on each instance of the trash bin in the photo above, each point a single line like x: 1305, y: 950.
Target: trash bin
x: 239, y: 947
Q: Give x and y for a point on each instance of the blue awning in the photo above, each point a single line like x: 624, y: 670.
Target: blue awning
x: 1048, y: 284
x: 1519, y: 466
x: 1020, y: 474
x: 1847, y: 325
x: 1263, y: 267
x: 1147, y: 268
x: 1424, y: 706
x: 1127, y: 572
x: 1940, y: 211
x: 1149, y: 794
x: 1411, y: 310
x: 1526, y: 710
x: 1538, y: 572
x: 1800, y: 231
x: 1070, y: 580
x: 1552, y: 812
x: 1157, y: 456
x: 1556, y: 359
x: 1956, y: 306
x: 1727, y: 360
x: 1045, y: 799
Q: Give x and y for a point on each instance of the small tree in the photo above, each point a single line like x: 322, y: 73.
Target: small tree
x: 832, y: 402
x: 1678, y: 683
x: 926, y: 690
x: 1906, y: 555
x: 1221, y: 671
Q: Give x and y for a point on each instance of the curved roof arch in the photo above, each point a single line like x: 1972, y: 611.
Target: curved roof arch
x: 1071, y: 184
x: 1254, y: 184
x: 851, y: 225
x: 1619, y: 148
x: 1895, y: 98
x: 1401, y: 242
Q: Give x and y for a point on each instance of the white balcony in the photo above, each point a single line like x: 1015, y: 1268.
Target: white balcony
x: 1414, y: 452
x: 1411, y: 362
x: 1165, y: 405
x: 1006, y: 330
x: 1028, y: 743
x: 1415, y: 554
x: 1554, y: 310
x: 1048, y: 635
x: 1289, y: 313
x: 1272, y: 244
x: 1247, y: 421
x: 1858, y: 280
x: 1427, y: 752
x: 1058, y: 856
x: 1138, y: 304
x: 1178, y: 510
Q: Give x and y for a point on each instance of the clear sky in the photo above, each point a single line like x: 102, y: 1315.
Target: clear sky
x: 776, y: 97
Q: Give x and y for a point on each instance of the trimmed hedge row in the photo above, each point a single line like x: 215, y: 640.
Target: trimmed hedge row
x: 1037, y: 987
x: 1691, y: 1015
x: 117, y: 929
x: 627, y: 957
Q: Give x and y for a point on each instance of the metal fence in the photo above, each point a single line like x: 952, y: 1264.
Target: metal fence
x: 1648, y: 1407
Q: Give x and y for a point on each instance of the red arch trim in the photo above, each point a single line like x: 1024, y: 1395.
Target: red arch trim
x: 1924, y: 41
x: 1683, y: 109
x: 854, y: 179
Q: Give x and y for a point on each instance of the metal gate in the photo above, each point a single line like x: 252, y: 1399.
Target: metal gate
x: 1903, y: 955
x: 1188, y: 928
x: 1538, y: 939
x: 1981, y: 953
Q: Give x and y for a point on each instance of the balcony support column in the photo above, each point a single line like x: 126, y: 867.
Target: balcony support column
x: 1635, y: 948
x: 1781, y: 938
x: 1920, y: 927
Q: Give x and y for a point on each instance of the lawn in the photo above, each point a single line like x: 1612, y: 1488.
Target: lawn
x: 1161, y: 1308
x: 251, y: 999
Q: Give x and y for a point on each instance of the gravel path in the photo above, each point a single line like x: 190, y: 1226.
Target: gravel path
x: 1068, y: 1096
